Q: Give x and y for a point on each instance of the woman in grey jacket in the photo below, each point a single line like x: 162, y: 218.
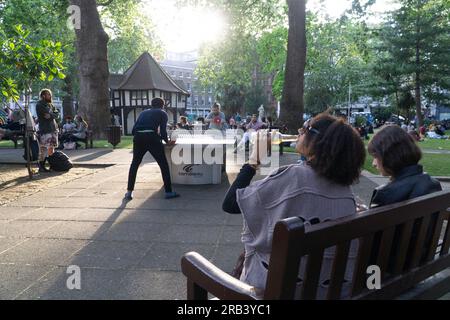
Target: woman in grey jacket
x: 316, y: 191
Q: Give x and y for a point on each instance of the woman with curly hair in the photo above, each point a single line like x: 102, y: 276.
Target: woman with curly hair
x: 317, y: 190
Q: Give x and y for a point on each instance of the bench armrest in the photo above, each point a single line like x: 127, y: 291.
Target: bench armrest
x: 204, y: 277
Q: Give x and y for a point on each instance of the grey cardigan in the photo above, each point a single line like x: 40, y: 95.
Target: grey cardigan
x: 296, y: 191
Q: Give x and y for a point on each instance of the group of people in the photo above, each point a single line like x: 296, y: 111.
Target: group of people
x: 73, y: 131
x: 216, y: 119
x: 433, y: 131
x: 319, y: 189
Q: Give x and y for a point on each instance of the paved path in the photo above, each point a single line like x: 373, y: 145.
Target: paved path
x: 125, y: 250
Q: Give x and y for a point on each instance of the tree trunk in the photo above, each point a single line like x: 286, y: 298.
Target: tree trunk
x: 292, y: 99
x: 67, y: 103
x: 417, y: 99
x: 417, y: 96
x: 92, y: 54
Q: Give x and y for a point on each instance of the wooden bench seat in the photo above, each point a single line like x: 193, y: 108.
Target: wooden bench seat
x: 416, y: 267
x: 15, y: 136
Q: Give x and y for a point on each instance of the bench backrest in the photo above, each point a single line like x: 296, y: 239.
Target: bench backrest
x: 415, y: 225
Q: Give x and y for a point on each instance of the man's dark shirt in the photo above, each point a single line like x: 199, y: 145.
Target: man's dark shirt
x: 151, y: 120
x: 46, y: 125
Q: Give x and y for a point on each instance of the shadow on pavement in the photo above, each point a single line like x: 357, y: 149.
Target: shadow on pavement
x: 136, y: 253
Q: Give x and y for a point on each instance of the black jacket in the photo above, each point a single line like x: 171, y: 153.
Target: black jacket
x: 46, y: 125
x: 411, y: 182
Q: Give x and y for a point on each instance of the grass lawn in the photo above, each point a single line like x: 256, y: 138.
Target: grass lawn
x: 6, y: 144
x: 126, y: 143
x: 434, y: 164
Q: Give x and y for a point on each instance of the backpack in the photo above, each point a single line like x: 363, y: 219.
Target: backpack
x: 59, y: 161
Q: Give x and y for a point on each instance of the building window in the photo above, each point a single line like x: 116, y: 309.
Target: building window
x: 188, y: 75
x: 188, y: 86
x: 172, y: 73
x: 209, y: 100
x: 180, y: 74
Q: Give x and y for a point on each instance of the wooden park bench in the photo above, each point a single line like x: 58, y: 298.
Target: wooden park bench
x: 416, y: 267
x: 15, y: 136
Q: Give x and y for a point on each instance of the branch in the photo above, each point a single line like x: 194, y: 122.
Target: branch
x: 104, y: 4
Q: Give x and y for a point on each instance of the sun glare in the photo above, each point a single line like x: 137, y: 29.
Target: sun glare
x: 184, y: 29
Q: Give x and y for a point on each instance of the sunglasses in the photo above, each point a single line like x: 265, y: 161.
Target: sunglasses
x: 310, y: 129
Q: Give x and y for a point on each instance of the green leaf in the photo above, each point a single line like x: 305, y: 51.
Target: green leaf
x: 61, y: 75
x: 50, y: 77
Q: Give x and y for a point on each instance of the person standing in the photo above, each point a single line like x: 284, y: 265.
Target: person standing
x: 146, y: 138
x: 48, y: 127
x: 216, y: 118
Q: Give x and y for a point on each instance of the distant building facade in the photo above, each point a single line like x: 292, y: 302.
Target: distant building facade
x: 181, y: 67
x: 133, y: 91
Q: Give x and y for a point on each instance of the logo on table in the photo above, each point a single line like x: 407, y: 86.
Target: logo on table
x: 187, y: 171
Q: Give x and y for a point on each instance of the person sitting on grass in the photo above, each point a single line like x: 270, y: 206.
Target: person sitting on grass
x: 316, y: 191
x: 396, y: 155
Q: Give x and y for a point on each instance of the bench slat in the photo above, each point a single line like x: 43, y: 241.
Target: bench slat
x: 312, y: 275
x: 195, y: 292
x: 285, y: 259
x: 402, y: 249
x: 419, y: 241
x: 359, y: 273
x: 338, y: 271
x: 435, y: 237
x: 446, y: 241
x: 384, y: 252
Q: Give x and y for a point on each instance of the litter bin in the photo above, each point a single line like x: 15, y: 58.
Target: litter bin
x: 114, y: 135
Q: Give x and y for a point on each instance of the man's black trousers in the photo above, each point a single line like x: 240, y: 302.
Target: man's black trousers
x: 150, y: 142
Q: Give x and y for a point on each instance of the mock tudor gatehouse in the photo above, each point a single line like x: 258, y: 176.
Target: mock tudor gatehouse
x: 133, y: 91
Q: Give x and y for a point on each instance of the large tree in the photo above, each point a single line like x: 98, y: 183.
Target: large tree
x: 292, y: 100
x: 415, y: 51
x: 92, y: 54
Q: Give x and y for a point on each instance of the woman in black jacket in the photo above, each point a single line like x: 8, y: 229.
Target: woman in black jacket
x: 397, y: 155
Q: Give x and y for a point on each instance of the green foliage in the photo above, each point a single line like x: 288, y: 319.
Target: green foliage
x: 28, y: 62
x: 131, y: 33
x: 413, y: 47
x: 45, y: 19
x: 338, y: 55
x: 382, y: 114
x: 228, y: 68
